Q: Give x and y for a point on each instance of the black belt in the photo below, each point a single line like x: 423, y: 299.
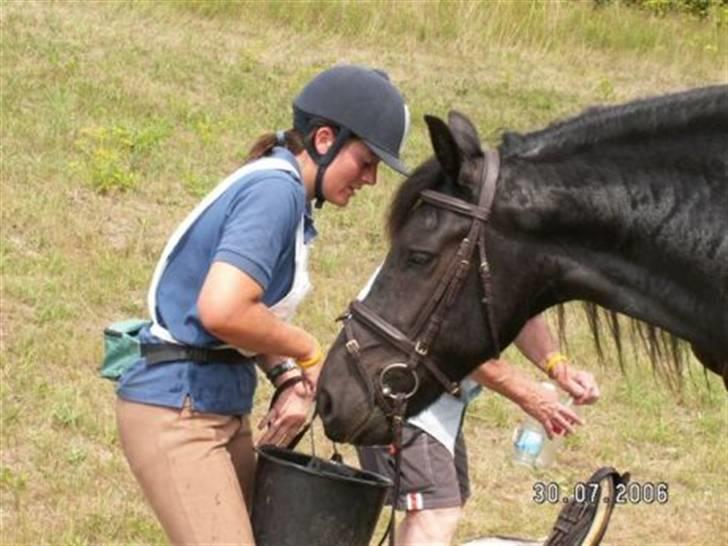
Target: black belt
x: 158, y: 353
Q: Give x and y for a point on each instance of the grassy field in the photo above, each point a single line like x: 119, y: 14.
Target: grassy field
x: 117, y: 116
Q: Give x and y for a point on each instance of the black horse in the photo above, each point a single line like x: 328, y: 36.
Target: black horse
x: 625, y: 207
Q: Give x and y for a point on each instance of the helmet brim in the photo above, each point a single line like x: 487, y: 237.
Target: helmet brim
x: 389, y: 159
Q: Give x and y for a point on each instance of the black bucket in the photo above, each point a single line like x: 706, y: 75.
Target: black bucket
x: 304, y: 500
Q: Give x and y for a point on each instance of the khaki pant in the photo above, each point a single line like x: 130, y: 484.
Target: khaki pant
x: 196, y: 470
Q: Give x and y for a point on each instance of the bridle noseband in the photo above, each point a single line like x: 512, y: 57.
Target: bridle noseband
x: 426, y: 328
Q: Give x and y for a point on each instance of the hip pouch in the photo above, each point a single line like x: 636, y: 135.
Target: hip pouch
x: 121, y: 347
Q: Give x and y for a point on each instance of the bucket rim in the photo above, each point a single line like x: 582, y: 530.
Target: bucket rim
x: 375, y: 480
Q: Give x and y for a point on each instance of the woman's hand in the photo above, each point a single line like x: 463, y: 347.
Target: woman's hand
x: 580, y: 385
x: 555, y: 417
x: 285, y: 419
x: 311, y: 376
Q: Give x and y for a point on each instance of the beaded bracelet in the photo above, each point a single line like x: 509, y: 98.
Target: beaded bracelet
x: 279, y: 369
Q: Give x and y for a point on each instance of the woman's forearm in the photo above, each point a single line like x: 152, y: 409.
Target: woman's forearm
x: 258, y: 330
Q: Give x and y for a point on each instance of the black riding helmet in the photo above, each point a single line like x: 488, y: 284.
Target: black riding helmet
x: 356, y: 101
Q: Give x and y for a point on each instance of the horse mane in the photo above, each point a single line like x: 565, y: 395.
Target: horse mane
x: 668, y: 355
x: 698, y: 108
x: 705, y: 107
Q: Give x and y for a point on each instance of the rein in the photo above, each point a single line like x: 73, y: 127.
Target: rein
x: 417, y: 347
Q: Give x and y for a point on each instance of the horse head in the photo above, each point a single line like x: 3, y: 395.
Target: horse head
x: 435, y: 279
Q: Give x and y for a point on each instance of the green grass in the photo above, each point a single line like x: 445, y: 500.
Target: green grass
x: 115, y: 117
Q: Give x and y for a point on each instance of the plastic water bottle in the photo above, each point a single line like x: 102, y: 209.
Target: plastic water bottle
x: 548, y: 451
x: 528, y: 441
x: 531, y: 445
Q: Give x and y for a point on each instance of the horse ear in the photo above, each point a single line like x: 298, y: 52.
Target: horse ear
x: 446, y: 149
x: 465, y: 134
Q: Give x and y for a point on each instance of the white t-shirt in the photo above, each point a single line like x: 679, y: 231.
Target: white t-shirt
x: 443, y: 418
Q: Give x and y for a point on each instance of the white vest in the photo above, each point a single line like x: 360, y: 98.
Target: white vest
x: 285, y: 308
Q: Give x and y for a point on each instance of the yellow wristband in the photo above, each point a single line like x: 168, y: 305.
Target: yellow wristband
x: 553, y: 360
x: 309, y: 362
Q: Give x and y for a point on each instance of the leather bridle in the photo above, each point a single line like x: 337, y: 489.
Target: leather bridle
x: 417, y: 347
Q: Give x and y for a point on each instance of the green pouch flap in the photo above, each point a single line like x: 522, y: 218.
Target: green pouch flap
x: 121, y: 347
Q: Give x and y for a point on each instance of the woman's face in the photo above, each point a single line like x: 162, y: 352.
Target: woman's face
x: 354, y: 166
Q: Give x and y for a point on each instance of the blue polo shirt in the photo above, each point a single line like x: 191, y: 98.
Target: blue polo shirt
x: 251, y: 226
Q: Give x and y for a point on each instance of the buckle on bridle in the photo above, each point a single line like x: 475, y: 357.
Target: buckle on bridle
x: 421, y: 349
x: 352, y: 346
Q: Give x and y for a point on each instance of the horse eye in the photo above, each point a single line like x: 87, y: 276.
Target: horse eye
x: 417, y: 257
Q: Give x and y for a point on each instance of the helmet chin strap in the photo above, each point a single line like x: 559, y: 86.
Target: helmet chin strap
x: 323, y: 161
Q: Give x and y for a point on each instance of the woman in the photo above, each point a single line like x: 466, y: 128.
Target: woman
x: 227, y: 282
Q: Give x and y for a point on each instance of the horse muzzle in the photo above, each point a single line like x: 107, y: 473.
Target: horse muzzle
x: 347, y: 422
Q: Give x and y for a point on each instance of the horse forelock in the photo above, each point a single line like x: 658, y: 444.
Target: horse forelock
x: 704, y: 108
x: 427, y: 176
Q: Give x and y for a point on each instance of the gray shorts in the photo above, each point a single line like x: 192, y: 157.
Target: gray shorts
x: 431, y: 477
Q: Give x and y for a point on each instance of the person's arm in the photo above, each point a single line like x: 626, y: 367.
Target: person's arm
x: 260, y: 225
x: 542, y: 405
x: 536, y: 342
x: 231, y: 308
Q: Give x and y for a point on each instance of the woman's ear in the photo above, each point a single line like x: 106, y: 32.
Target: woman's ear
x: 323, y: 139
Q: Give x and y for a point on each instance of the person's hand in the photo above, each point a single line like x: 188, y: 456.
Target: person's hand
x: 579, y: 384
x: 311, y: 376
x: 556, y: 418
x: 285, y: 419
